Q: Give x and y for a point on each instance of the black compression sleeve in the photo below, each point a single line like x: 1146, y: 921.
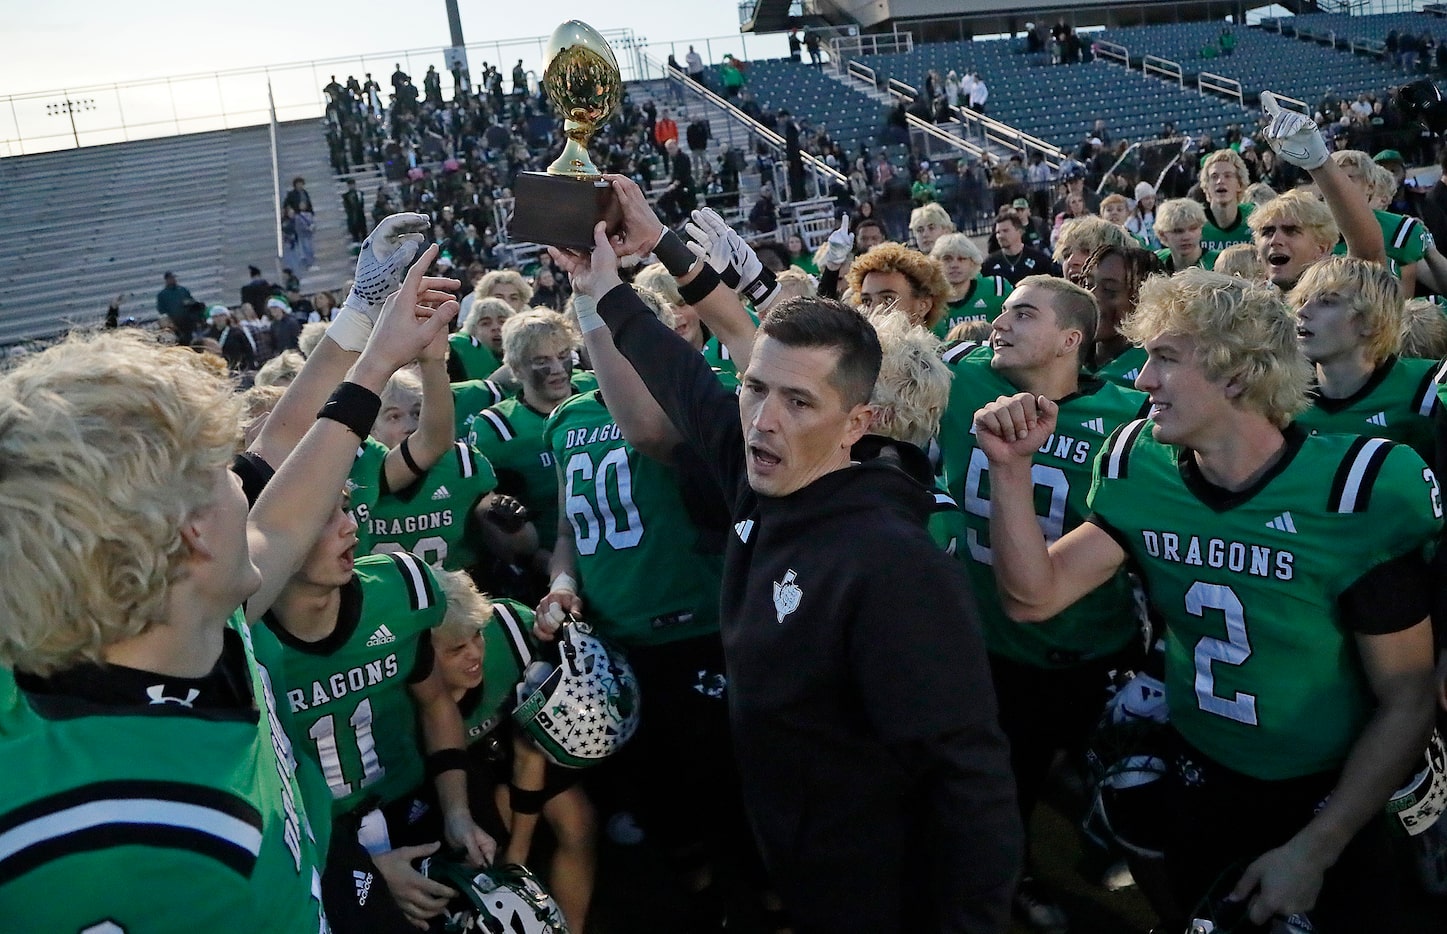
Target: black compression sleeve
x: 1391, y: 597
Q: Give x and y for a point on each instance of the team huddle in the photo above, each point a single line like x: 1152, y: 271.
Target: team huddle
x: 815, y: 580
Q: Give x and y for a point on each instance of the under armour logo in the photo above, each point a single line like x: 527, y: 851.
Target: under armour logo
x: 787, y: 595
x: 157, y: 694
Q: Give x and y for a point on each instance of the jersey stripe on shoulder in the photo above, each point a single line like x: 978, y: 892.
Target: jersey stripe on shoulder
x: 172, y: 815
x: 1426, y: 397
x: 1439, y: 375
x: 1000, y: 285
x: 1351, y: 489
x: 417, y: 578
x: 495, y: 390
x: 517, y: 640
x: 466, y: 466
x: 1403, y: 232
x: 957, y: 352
x: 1118, y: 447
x: 500, y: 425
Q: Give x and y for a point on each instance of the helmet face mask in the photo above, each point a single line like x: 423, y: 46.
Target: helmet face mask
x: 500, y: 899
x: 587, y: 707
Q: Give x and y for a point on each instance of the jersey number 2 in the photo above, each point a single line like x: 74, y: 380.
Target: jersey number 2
x: 1233, y: 650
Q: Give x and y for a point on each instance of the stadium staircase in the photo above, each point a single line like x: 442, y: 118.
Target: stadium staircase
x: 853, y: 119
x: 78, y: 227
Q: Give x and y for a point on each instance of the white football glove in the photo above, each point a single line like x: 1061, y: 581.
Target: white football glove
x: 747, y: 275
x: 710, y: 243
x: 841, y: 245
x: 381, y: 265
x: 1293, y: 136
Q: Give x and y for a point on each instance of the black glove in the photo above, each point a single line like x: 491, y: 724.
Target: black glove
x: 507, y: 513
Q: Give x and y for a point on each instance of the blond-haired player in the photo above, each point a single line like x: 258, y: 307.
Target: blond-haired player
x: 139, y: 730
x: 1233, y: 517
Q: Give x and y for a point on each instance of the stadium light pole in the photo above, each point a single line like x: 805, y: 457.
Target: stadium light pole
x: 454, y: 27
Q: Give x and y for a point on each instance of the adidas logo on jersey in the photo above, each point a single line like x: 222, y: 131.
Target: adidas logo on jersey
x: 441, y: 493
x: 363, y: 881
x: 382, y: 636
x: 1283, y: 523
x: 980, y: 303
x: 417, y: 811
x: 1380, y: 420
x: 1096, y: 425
x: 1130, y: 375
x: 744, y: 529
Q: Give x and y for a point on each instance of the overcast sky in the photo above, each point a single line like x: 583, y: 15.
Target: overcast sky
x: 50, y: 45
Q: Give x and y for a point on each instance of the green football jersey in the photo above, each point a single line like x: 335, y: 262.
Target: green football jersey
x: 508, y: 647
x: 642, y: 579
x: 947, y: 525
x: 470, y: 397
x: 347, y: 695
x: 1400, y: 403
x: 1216, y: 239
x: 154, y: 817
x: 1101, y: 623
x: 1406, y: 240
x: 718, y: 356
x: 1262, y: 672
x: 510, y: 436
x: 982, y: 302
x: 1124, y: 369
x: 433, y: 517
x: 1207, y: 260
x: 475, y: 358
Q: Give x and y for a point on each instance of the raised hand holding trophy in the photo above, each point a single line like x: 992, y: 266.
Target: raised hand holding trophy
x: 560, y: 207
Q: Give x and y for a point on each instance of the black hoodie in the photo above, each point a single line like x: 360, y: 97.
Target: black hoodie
x: 874, y: 771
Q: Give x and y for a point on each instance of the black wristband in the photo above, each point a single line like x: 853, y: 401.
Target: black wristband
x: 761, y: 288
x: 674, y: 254
x: 354, y: 406
x: 525, y: 801
x: 445, y: 760
x: 699, y: 288
x: 406, y: 453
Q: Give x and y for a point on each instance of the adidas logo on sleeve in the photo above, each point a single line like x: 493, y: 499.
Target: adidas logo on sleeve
x: 440, y: 493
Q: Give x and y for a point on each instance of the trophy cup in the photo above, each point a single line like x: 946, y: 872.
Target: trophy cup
x: 560, y: 207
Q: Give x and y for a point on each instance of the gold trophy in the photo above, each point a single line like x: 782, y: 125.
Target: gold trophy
x: 561, y: 206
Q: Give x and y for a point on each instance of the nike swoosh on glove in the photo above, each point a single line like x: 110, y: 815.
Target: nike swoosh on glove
x: 1293, y: 136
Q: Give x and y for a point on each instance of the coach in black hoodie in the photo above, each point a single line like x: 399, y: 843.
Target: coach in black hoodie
x: 874, y: 772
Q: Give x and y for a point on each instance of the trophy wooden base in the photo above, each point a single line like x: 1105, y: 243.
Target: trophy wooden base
x: 561, y: 211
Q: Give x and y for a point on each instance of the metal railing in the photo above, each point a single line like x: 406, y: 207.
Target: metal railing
x: 1293, y: 103
x: 858, y: 72
x: 845, y: 47
x: 1111, y: 51
x: 990, y: 130
x: 1154, y: 157
x: 1164, y: 67
x: 817, y: 168
x: 1220, y: 84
